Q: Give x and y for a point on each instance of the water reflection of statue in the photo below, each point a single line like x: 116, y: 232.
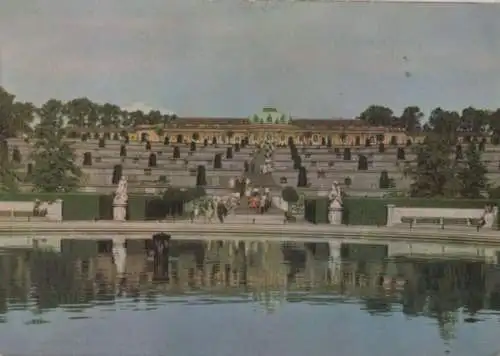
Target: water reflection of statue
x: 335, y: 208
x: 120, y: 200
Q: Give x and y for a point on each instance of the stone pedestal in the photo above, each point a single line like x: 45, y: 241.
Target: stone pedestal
x: 119, y: 212
x: 390, y: 214
x: 335, y: 216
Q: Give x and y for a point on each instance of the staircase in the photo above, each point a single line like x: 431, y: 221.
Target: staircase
x: 258, y: 179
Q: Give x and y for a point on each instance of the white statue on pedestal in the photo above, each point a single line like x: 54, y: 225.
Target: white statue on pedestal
x: 120, y: 201
x: 335, y: 208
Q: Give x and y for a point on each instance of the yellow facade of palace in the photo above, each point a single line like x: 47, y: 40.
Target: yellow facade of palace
x: 271, y: 125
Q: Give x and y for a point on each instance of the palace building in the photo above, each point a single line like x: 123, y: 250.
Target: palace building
x: 269, y: 124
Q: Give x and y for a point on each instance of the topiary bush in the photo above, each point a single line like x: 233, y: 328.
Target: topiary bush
x: 166, y: 141
x: 236, y: 147
x: 381, y: 147
x: 218, y: 161
x: 152, y: 160
x: 117, y: 173
x: 401, y: 154
x: 362, y: 163
x: 87, y: 159
x: 102, y: 142
x: 16, y: 155
x: 180, y: 138
x: 201, y: 177
x: 205, y: 143
x: 302, y: 181
x: 192, y: 146
x: 347, y: 154
x: 148, y: 146
x: 290, y: 195
x: 459, y: 154
x: 214, y: 140
x: 123, y: 151
x: 176, y: 154
x: 246, y: 166
x: 229, y: 153
x: 384, y: 180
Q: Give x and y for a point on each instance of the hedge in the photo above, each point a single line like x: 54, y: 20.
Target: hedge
x: 373, y: 211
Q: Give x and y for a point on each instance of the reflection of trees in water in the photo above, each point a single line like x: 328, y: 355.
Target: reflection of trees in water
x: 57, y: 280
x: 14, y: 284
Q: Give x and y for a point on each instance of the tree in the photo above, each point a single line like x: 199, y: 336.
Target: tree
x: 410, y: 119
x: 377, y: 115
x: 472, y: 174
x: 434, y: 174
x: 54, y: 160
x: 80, y: 112
x: 384, y: 180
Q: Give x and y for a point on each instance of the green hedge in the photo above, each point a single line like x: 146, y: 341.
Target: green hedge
x: 316, y: 210
x: 373, y: 211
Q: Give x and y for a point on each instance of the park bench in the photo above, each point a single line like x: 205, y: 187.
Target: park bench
x: 438, y: 216
x: 25, y: 210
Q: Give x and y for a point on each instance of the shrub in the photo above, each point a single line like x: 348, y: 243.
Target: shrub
x: 229, y: 153
x: 459, y: 154
x: 218, y: 161
x: 323, y: 141
x: 362, y: 163
x: 166, y: 141
x: 329, y: 142
x: 126, y: 139
x: 394, y: 140
x: 347, y: 154
x: 384, y: 180
x: 192, y: 146
x: 144, y: 137
x: 16, y: 155
x: 236, y: 147
x: 290, y: 141
x: 180, y: 138
x: 408, y: 143
x: 148, y: 146
x: 357, y: 141
x: 96, y: 136
x: 116, y: 137
x: 176, y: 154
x: 152, y: 160
x: 289, y: 194
x: 201, y: 178
x: 84, y: 137
x: 482, y: 145
x: 381, y: 147
x: 123, y: 151
x: 214, y: 140
x: 205, y: 142
x: 102, y: 143
x: 347, y: 181
x: 401, y: 154
x: 297, y: 162
x: 368, y: 143
x: 302, y: 181
x: 246, y: 167
x: 117, y: 173
x: 87, y: 159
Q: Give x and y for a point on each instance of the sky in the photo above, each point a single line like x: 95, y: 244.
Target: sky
x: 232, y: 57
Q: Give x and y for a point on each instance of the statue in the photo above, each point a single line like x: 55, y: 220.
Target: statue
x: 335, y: 208
x: 120, y: 201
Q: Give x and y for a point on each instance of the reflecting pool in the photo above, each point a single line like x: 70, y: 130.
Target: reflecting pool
x: 227, y: 298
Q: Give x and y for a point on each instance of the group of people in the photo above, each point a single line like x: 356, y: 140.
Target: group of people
x: 260, y: 200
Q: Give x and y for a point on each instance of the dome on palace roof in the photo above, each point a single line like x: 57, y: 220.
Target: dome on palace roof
x: 270, y: 115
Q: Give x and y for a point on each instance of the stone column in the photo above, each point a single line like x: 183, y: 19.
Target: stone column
x: 390, y: 214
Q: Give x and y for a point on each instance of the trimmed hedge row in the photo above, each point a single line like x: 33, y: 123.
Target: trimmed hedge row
x: 88, y: 206
x: 373, y: 211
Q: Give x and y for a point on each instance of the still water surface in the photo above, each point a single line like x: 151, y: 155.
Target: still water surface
x: 230, y: 299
